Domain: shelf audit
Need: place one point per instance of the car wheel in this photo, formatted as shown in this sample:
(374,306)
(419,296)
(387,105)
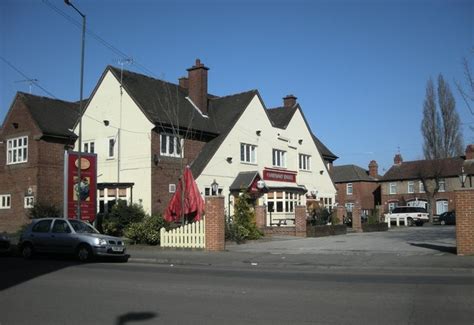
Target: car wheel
(410,222)
(27,251)
(84,253)
(443,222)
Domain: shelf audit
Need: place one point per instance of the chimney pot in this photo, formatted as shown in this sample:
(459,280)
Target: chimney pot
(470,152)
(373,169)
(397,160)
(183,82)
(289,101)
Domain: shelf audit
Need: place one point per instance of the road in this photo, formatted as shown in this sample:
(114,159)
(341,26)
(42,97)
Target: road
(59,291)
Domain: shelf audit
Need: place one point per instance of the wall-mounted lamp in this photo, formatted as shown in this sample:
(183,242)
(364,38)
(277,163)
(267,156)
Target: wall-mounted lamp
(300,141)
(15,125)
(260,184)
(215,188)
(229,159)
(156,159)
(462,177)
(106,122)
(258,132)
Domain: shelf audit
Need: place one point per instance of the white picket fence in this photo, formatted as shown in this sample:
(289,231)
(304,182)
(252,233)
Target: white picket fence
(192,235)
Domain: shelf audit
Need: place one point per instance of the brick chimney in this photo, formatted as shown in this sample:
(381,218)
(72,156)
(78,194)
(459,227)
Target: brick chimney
(373,169)
(197,85)
(289,101)
(183,82)
(470,152)
(397,160)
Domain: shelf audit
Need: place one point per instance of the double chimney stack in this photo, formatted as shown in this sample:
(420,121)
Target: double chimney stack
(196,84)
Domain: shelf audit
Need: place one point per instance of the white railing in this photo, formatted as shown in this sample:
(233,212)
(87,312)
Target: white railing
(192,235)
(388,220)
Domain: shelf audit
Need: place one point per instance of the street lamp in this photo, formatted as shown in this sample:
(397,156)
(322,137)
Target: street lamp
(462,177)
(214,188)
(81,104)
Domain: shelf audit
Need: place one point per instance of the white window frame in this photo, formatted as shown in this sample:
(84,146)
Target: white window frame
(248,153)
(442,185)
(349,189)
(421,187)
(411,187)
(208,191)
(17,153)
(349,206)
(304,162)
(279,158)
(5,201)
(88,146)
(392,205)
(442,206)
(111,145)
(171,150)
(29,201)
(392,188)
(171,188)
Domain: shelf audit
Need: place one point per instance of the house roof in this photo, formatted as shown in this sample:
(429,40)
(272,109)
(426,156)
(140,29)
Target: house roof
(446,167)
(323,150)
(53,116)
(243,180)
(351,173)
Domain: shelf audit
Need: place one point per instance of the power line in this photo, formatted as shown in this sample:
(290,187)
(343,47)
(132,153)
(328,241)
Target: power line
(102,41)
(33,81)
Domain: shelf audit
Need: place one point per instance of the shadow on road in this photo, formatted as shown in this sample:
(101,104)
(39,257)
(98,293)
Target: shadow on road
(135,317)
(443,249)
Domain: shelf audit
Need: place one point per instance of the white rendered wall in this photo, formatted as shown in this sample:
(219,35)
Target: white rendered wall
(135,139)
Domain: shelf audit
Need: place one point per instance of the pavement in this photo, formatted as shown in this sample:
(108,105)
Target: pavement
(397,250)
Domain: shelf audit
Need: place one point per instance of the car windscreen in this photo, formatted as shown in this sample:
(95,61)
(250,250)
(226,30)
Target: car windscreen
(82,227)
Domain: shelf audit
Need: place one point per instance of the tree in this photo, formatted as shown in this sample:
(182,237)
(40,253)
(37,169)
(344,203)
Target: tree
(441,124)
(467,92)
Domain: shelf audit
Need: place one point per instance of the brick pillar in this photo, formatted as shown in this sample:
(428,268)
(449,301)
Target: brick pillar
(465,221)
(260,216)
(340,212)
(300,221)
(356,221)
(215,223)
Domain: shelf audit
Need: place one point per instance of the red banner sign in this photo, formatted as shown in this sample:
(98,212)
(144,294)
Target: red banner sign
(279,175)
(84,190)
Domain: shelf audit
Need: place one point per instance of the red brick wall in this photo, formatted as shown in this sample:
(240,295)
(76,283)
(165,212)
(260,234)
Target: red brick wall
(168,170)
(362,192)
(356,220)
(465,222)
(260,216)
(215,223)
(300,221)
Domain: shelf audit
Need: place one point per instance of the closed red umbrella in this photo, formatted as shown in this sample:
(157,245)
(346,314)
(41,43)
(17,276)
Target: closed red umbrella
(192,206)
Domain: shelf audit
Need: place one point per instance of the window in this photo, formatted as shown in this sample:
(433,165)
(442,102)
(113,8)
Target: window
(349,189)
(442,185)
(304,162)
(441,206)
(393,188)
(61,227)
(171,145)
(248,153)
(349,207)
(29,202)
(208,191)
(392,205)
(42,226)
(279,158)
(5,201)
(17,150)
(171,188)
(411,187)
(421,187)
(111,151)
(284,202)
(88,146)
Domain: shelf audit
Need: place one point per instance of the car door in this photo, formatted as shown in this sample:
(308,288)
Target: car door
(39,235)
(61,238)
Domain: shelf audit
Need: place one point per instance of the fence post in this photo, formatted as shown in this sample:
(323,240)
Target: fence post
(356,221)
(215,223)
(260,216)
(465,221)
(300,221)
(340,212)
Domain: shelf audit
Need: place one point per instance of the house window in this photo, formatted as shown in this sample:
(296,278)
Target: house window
(88,146)
(441,206)
(171,145)
(349,189)
(349,207)
(248,153)
(279,158)
(304,162)
(393,188)
(442,185)
(411,187)
(208,191)
(17,150)
(282,202)
(421,187)
(5,201)
(111,151)
(29,202)
(171,188)
(392,205)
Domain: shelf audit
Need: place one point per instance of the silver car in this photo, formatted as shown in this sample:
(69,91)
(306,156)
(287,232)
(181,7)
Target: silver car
(68,236)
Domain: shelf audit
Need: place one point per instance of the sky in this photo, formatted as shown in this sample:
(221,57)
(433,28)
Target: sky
(358,68)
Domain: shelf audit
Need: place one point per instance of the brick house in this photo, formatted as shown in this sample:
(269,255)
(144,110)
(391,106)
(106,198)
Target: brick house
(427,183)
(33,138)
(144,131)
(357,185)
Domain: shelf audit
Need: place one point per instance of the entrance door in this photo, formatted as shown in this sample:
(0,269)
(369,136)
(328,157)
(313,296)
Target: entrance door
(441,206)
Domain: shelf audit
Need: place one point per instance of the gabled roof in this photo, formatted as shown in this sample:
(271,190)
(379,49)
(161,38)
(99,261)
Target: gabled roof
(243,180)
(54,117)
(447,167)
(281,116)
(351,173)
(323,150)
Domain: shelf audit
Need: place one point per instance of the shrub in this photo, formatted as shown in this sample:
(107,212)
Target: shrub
(44,210)
(320,216)
(243,225)
(121,216)
(146,231)
(373,218)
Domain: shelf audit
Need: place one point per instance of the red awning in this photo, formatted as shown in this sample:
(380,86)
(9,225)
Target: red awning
(193,203)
